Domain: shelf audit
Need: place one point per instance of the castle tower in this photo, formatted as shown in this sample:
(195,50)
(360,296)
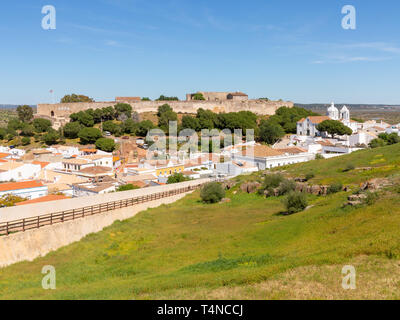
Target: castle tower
(333,112)
(345,114)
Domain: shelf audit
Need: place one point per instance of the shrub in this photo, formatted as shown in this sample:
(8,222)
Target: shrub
(41,125)
(286,186)
(309,176)
(335,187)
(212,192)
(89,135)
(25,141)
(127,187)
(51,138)
(319,156)
(349,167)
(176,178)
(371,198)
(105,144)
(71,130)
(295,202)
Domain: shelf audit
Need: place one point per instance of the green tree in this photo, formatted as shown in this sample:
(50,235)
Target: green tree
(295,202)
(28,130)
(15,124)
(165,114)
(83,117)
(164,98)
(207,119)
(146,99)
(143,127)
(41,125)
(51,138)
(130,127)
(105,144)
(198,96)
(112,127)
(334,127)
(123,108)
(271,132)
(25,113)
(3,133)
(71,130)
(25,141)
(189,122)
(89,135)
(212,192)
(69,98)
(177,178)
(376,143)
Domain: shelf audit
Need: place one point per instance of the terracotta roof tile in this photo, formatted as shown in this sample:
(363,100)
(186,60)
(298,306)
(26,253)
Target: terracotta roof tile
(20,185)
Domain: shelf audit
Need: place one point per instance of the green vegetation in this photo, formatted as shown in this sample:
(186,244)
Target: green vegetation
(334,127)
(164,98)
(198,96)
(385,139)
(25,113)
(105,144)
(176,178)
(212,192)
(243,249)
(295,202)
(271,132)
(127,187)
(89,135)
(69,98)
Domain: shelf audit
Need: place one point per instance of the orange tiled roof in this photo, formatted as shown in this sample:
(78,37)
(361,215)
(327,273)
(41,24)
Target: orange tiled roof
(262,151)
(20,185)
(292,150)
(42,163)
(3,155)
(50,197)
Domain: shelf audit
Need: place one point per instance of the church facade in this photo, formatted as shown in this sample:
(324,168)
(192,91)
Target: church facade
(308,126)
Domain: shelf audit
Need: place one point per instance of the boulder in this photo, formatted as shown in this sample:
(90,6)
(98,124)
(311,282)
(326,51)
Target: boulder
(229,184)
(250,187)
(225,200)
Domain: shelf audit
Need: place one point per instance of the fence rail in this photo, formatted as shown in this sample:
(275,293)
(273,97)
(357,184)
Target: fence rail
(22,225)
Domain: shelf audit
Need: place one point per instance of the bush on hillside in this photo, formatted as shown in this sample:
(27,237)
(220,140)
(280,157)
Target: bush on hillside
(349,167)
(319,157)
(89,135)
(25,141)
(295,202)
(176,178)
(286,186)
(309,176)
(105,144)
(335,188)
(212,192)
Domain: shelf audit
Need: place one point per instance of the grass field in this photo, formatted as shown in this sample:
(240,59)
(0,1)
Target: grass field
(245,249)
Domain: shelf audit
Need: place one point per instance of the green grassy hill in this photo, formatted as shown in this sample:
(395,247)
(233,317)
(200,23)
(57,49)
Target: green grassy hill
(243,249)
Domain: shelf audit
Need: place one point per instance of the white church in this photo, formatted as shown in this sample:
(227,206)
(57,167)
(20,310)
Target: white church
(308,126)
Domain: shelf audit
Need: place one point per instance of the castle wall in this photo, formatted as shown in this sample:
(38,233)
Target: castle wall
(260,107)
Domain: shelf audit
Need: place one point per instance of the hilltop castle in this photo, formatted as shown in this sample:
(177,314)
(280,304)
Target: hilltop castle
(215,101)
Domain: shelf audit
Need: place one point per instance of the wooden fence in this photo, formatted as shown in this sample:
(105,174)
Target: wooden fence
(73,214)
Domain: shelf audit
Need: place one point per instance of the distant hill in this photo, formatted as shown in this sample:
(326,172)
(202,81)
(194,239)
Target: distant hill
(317,106)
(13,106)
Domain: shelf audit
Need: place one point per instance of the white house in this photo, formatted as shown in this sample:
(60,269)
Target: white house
(17,171)
(265,157)
(27,189)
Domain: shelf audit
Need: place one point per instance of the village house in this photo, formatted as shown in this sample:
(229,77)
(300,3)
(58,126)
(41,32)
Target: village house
(27,189)
(18,171)
(264,157)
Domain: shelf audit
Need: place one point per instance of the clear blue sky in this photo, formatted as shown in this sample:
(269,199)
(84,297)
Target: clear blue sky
(287,49)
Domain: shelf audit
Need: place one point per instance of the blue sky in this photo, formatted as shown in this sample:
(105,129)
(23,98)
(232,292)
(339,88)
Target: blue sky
(287,49)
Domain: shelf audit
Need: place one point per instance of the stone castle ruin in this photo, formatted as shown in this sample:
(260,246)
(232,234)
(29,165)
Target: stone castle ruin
(218,102)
